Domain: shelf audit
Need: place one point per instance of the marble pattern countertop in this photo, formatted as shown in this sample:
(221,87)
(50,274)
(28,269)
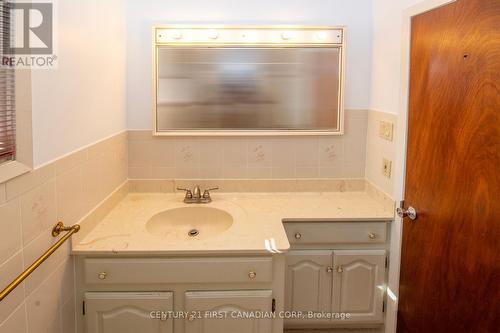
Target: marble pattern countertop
(257,222)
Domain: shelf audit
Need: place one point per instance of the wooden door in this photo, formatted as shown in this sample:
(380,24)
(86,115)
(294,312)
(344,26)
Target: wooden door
(450,266)
(127,312)
(236,305)
(308,285)
(359,284)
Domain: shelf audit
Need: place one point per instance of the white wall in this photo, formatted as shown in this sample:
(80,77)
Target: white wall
(386,55)
(143,15)
(386,96)
(82,101)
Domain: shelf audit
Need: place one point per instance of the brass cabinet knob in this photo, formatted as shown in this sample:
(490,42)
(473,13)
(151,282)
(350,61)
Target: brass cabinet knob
(102,275)
(298,235)
(372,235)
(252,275)
(340,269)
(329,269)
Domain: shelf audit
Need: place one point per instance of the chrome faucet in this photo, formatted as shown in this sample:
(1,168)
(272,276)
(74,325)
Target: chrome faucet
(195,196)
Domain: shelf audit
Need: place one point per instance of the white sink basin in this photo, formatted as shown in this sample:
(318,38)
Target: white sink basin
(189,223)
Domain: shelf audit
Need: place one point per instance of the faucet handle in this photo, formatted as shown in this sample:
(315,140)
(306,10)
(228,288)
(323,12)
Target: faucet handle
(189,194)
(206,193)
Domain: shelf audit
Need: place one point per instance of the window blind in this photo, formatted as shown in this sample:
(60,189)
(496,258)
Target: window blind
(7,92)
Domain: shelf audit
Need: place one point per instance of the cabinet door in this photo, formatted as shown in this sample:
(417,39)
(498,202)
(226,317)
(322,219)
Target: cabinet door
(308,285)
(359,284)
(233,303)
(127,312)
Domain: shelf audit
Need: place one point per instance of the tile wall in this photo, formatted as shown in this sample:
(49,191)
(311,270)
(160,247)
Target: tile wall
(71,187)
(251,157)
(66,190)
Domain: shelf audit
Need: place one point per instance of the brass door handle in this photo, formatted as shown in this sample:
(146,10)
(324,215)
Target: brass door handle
(340,269)
(329,269)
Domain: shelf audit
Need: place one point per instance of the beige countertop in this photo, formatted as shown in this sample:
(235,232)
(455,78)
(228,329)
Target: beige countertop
(257,226)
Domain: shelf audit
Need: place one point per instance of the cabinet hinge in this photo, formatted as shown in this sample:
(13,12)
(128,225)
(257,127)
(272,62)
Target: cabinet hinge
(273,306)
(386,262)
(383,306)
(83,308)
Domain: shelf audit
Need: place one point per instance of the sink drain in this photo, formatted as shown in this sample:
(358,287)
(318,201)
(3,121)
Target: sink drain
(193,233)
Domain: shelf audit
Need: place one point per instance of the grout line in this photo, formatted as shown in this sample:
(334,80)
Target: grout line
(12,257)
(14,311)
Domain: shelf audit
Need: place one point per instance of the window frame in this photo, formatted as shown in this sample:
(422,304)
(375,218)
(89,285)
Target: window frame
(23,161)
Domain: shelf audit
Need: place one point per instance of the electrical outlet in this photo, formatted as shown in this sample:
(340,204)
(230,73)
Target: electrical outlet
(386,168)
(386,130)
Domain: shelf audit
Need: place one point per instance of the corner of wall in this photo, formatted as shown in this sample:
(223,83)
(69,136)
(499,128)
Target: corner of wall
(378,149)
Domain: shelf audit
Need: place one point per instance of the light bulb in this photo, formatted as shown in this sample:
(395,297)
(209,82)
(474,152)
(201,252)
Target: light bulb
(213,34)
(286,35)
(321,35)
(176,34)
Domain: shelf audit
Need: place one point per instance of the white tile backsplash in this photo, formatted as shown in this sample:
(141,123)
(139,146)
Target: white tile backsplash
(251,157)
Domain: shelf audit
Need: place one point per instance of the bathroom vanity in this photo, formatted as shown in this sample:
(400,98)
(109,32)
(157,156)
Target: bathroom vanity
(283,260)
(336,267)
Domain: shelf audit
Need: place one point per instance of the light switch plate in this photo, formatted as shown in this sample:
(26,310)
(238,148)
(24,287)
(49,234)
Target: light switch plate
(386,168)
(386,130)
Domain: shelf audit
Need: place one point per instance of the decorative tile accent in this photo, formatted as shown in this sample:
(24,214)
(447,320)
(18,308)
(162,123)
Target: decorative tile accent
(38,210)
(251,157)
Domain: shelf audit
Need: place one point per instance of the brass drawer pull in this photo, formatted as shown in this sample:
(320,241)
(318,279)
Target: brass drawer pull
(298,235)
(340,269)
(372,235)
(252,275)
(102,275)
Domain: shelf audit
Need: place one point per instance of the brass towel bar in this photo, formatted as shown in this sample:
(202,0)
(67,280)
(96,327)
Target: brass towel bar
(58,228)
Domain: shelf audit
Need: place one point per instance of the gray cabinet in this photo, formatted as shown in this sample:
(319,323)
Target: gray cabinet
(308,285)
(204,305)
(334,270)
(338,281)
(120,294)
(359,287)
(127,312)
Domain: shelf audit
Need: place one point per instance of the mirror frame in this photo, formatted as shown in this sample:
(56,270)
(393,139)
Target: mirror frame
(157,44)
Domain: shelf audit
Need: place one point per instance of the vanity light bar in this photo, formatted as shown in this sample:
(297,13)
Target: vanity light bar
(249,35)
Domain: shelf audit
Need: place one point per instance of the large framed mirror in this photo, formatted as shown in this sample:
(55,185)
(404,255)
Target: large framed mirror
(210,81)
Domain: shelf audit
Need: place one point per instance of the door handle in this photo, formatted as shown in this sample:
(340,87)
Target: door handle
(410,213)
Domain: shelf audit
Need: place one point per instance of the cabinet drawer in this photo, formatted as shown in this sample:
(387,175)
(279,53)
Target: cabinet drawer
(192,270)
(336,232)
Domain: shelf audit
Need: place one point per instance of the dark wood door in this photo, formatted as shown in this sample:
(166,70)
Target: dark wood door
(450,269)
